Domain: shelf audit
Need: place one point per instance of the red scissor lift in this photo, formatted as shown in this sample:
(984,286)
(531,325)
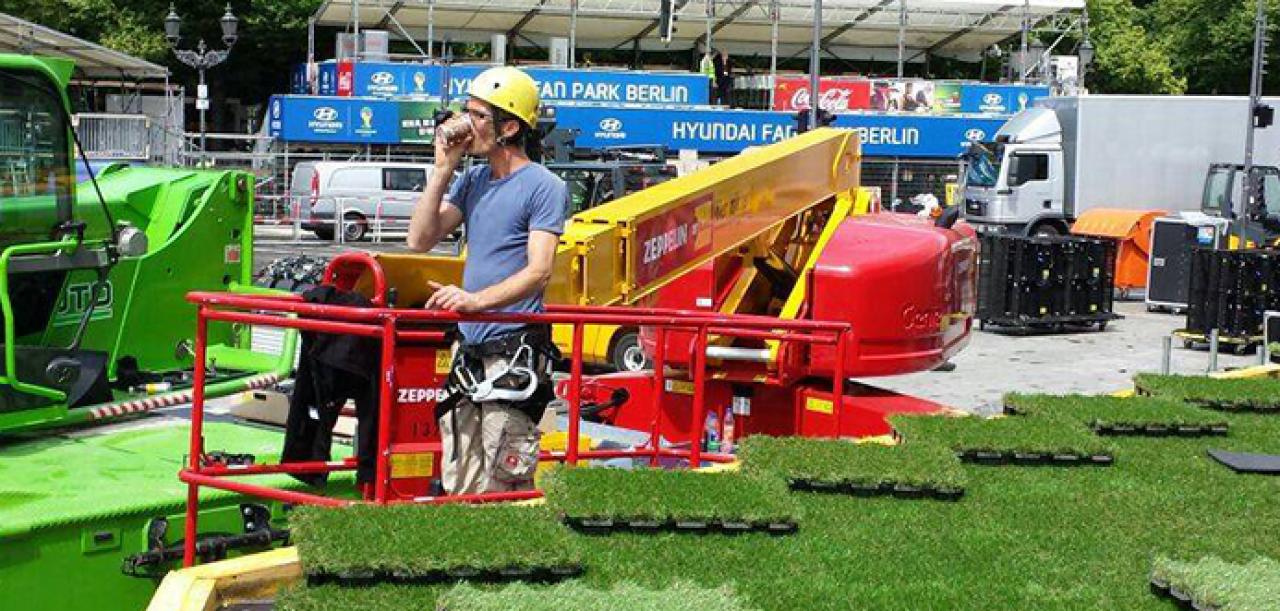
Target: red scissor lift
(414,355)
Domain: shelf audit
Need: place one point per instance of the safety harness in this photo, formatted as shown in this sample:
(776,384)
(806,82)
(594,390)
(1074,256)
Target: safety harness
(524,383)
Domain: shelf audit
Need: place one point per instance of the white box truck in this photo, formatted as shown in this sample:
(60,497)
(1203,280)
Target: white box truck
(1062,156)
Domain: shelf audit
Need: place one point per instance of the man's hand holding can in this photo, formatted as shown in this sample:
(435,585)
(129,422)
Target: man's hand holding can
(451,141)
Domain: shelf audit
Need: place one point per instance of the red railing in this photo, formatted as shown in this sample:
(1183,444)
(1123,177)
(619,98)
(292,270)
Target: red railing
(384,324)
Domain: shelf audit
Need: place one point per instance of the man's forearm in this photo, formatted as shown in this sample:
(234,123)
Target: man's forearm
(424,224)
(522,284)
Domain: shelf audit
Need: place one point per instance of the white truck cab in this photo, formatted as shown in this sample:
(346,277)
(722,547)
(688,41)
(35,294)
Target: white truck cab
(1016,181)
(1063,156)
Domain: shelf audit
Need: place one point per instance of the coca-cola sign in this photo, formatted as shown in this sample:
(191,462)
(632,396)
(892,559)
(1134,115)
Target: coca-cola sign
(837,95)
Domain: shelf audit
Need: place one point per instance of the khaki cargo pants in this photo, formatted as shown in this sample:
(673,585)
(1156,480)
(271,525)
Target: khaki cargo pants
(497,445)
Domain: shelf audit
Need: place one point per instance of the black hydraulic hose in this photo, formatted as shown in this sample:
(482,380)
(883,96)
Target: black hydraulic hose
(102,201)
(88,310)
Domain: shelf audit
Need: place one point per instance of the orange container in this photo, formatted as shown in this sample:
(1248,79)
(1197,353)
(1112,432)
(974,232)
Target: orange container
(1132,228)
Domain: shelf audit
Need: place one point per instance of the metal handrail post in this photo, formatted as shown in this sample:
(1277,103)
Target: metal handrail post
(659,387)
(575,395)
(388,382)
(196,449)
(699,397)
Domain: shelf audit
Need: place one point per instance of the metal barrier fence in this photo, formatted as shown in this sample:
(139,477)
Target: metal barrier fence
(114,136)
(902,179)
(347,219)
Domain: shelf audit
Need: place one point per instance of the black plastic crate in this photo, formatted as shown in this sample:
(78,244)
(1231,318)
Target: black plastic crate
(1230,290)
(1042,282)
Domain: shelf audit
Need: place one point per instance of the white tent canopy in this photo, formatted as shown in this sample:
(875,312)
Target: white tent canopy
(852,29)
(92,60)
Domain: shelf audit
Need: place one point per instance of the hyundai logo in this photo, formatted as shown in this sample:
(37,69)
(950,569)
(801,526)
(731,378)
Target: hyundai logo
(992,99)
(975,135)
(325,113)
(610,125)
(382,78)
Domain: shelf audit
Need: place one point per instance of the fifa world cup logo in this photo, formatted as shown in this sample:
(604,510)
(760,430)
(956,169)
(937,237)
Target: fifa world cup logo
(419,81)
(366,117)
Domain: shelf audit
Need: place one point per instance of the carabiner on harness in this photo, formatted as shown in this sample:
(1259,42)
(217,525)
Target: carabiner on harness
(516,381)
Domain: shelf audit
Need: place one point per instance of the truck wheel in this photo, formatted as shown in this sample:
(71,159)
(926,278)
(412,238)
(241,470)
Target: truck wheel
(354,227)
(627,354)
(1046,230)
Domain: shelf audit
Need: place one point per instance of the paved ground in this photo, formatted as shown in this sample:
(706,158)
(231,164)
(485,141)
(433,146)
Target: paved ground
(1089,362)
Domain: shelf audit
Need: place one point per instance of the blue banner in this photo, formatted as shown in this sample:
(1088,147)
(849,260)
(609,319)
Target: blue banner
(381,79)
(708,130)
(917,136)
(730,131)
(999,99)
(339,120)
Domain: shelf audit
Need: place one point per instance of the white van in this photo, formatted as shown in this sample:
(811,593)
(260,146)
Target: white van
(365,190)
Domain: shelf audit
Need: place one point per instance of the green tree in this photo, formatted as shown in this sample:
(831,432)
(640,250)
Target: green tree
(1210,42)
(272,37)
(1127,58)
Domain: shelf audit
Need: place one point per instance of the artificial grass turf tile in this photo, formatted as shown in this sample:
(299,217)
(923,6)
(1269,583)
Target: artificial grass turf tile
(863,469)
(1214,583)
(572,596)
(1001,440)
(1063,539)
(430,543)
(379,597)
(655,499)
(1230,394)
(567,596)
(1120,415)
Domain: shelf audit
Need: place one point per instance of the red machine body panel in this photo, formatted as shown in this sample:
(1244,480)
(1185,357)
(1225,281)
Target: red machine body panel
(807,410)
(420,372)
(908,288)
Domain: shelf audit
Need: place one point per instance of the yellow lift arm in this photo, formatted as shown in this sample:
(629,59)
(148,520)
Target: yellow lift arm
(624,250)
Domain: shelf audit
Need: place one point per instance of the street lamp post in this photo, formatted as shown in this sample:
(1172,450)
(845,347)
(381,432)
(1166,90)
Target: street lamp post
(202,58)
(1085,53)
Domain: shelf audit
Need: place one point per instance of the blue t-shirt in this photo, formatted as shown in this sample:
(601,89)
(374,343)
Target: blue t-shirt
(499,214)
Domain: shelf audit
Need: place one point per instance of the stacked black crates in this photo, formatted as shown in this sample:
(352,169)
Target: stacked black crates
(1046,282)
(1229,290)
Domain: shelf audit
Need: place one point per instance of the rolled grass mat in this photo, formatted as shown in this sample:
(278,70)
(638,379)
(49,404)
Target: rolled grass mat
(423,543)
(1018,441)
(1231,394)
(656,499)
(1212,583)
(1120,415)
(572,596)
(869,469)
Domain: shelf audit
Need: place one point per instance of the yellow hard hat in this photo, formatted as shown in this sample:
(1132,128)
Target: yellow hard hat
(509,89)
